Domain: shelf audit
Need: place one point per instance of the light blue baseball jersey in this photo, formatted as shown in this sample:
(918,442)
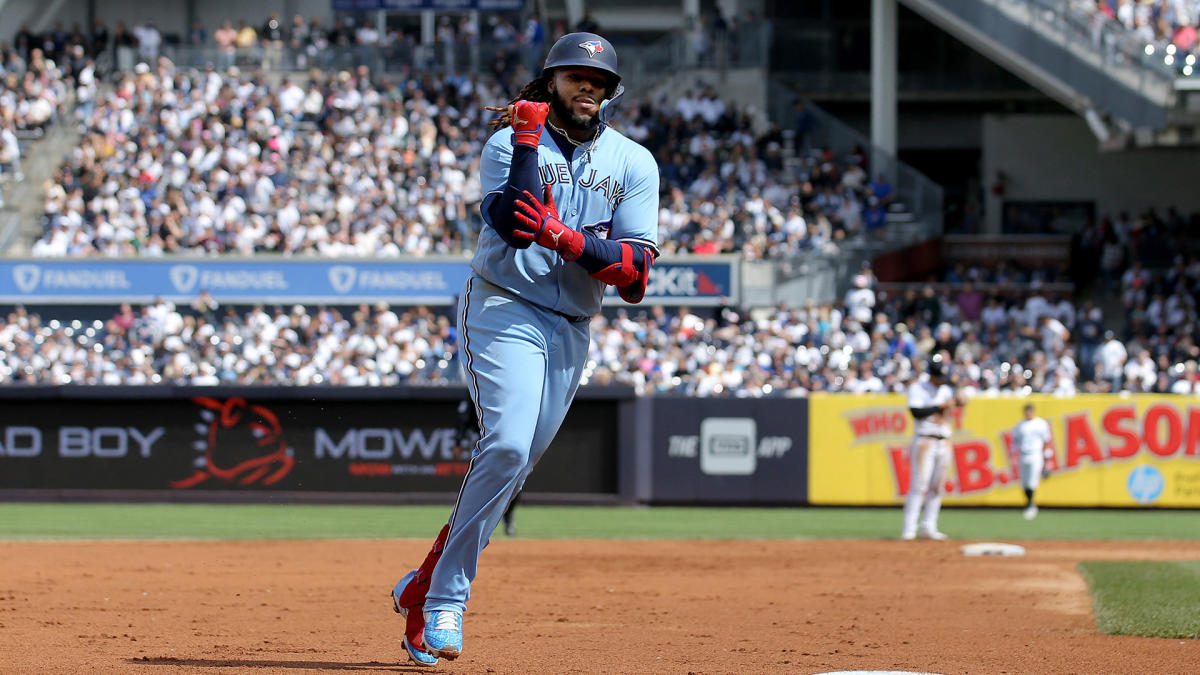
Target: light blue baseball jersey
(609,188)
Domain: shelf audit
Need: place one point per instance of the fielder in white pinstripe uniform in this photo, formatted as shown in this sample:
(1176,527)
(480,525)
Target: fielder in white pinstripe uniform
(930,400)
(571,207)
(1031,440)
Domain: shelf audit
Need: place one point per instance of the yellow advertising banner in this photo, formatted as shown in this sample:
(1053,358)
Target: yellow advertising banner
(1109,450)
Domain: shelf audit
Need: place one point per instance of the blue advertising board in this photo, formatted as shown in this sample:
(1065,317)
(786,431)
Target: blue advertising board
(240,280)
(726,451)
(424,281)
(698,281)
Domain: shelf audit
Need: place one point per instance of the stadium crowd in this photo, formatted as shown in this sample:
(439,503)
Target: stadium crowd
(34,94)
(203,161)
(872,340)
(223,162)
(34,91)
(1166,27)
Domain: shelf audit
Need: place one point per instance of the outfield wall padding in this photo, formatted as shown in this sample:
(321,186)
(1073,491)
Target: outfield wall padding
(398,445)
(286,441)
(726,451)
(1108,451)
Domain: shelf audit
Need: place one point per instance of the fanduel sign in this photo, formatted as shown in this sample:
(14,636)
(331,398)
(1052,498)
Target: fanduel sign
(425,281)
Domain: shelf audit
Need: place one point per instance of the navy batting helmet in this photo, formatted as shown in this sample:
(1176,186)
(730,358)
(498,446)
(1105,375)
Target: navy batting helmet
(936,367)
(584,49)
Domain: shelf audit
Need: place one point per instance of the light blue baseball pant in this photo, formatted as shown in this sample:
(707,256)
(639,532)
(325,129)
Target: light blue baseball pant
(522,364)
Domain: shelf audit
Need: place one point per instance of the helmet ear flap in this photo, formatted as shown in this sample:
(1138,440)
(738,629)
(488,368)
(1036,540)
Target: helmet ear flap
(608,106)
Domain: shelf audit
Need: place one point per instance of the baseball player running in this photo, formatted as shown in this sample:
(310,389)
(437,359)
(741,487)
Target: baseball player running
(930,400)
(1031,442)
(572,206)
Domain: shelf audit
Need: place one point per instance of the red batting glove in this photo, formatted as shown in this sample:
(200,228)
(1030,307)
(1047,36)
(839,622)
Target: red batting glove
(528,120)
(539,223)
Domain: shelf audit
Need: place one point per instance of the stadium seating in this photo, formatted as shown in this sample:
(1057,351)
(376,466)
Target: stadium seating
(1167,30)
(183,161)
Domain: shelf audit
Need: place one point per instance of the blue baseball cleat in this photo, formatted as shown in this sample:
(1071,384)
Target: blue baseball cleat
(443,633)
(417,655)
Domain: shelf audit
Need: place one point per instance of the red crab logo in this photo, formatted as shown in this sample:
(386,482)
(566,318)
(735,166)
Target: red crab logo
(241,444)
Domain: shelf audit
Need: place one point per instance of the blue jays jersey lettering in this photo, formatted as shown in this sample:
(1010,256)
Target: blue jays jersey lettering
(609,188)
(612,189)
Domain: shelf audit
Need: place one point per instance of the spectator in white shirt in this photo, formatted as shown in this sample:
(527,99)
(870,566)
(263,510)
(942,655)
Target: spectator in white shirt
(867,382)
(1053,333)
(1110,360)
(1141,373)
(1188,382)
(860,300)
(149,40)
(10,149)
(1036,307)
(291,97)
(1064,310)
(993,314)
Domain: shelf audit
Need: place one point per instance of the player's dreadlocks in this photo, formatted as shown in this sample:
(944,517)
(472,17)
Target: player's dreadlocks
(537,90)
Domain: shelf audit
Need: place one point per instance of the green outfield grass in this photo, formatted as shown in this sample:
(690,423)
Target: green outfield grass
(23,521)
(1154,599)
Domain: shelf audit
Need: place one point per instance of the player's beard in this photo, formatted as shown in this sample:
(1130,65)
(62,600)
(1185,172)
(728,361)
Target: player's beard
(562,110)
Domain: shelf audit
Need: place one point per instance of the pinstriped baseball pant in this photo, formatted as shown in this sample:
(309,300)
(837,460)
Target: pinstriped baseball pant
(930,460)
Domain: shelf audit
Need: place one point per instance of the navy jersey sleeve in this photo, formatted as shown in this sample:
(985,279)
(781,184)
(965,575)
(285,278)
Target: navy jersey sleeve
(512,172)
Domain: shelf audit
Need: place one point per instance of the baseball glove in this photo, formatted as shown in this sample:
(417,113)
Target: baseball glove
(1046,472)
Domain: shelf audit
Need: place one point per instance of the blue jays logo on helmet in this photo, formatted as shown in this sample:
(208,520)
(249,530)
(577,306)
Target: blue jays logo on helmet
(592,47)
(583,49)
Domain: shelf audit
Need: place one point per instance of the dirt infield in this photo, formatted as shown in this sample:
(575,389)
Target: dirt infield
(572,607)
